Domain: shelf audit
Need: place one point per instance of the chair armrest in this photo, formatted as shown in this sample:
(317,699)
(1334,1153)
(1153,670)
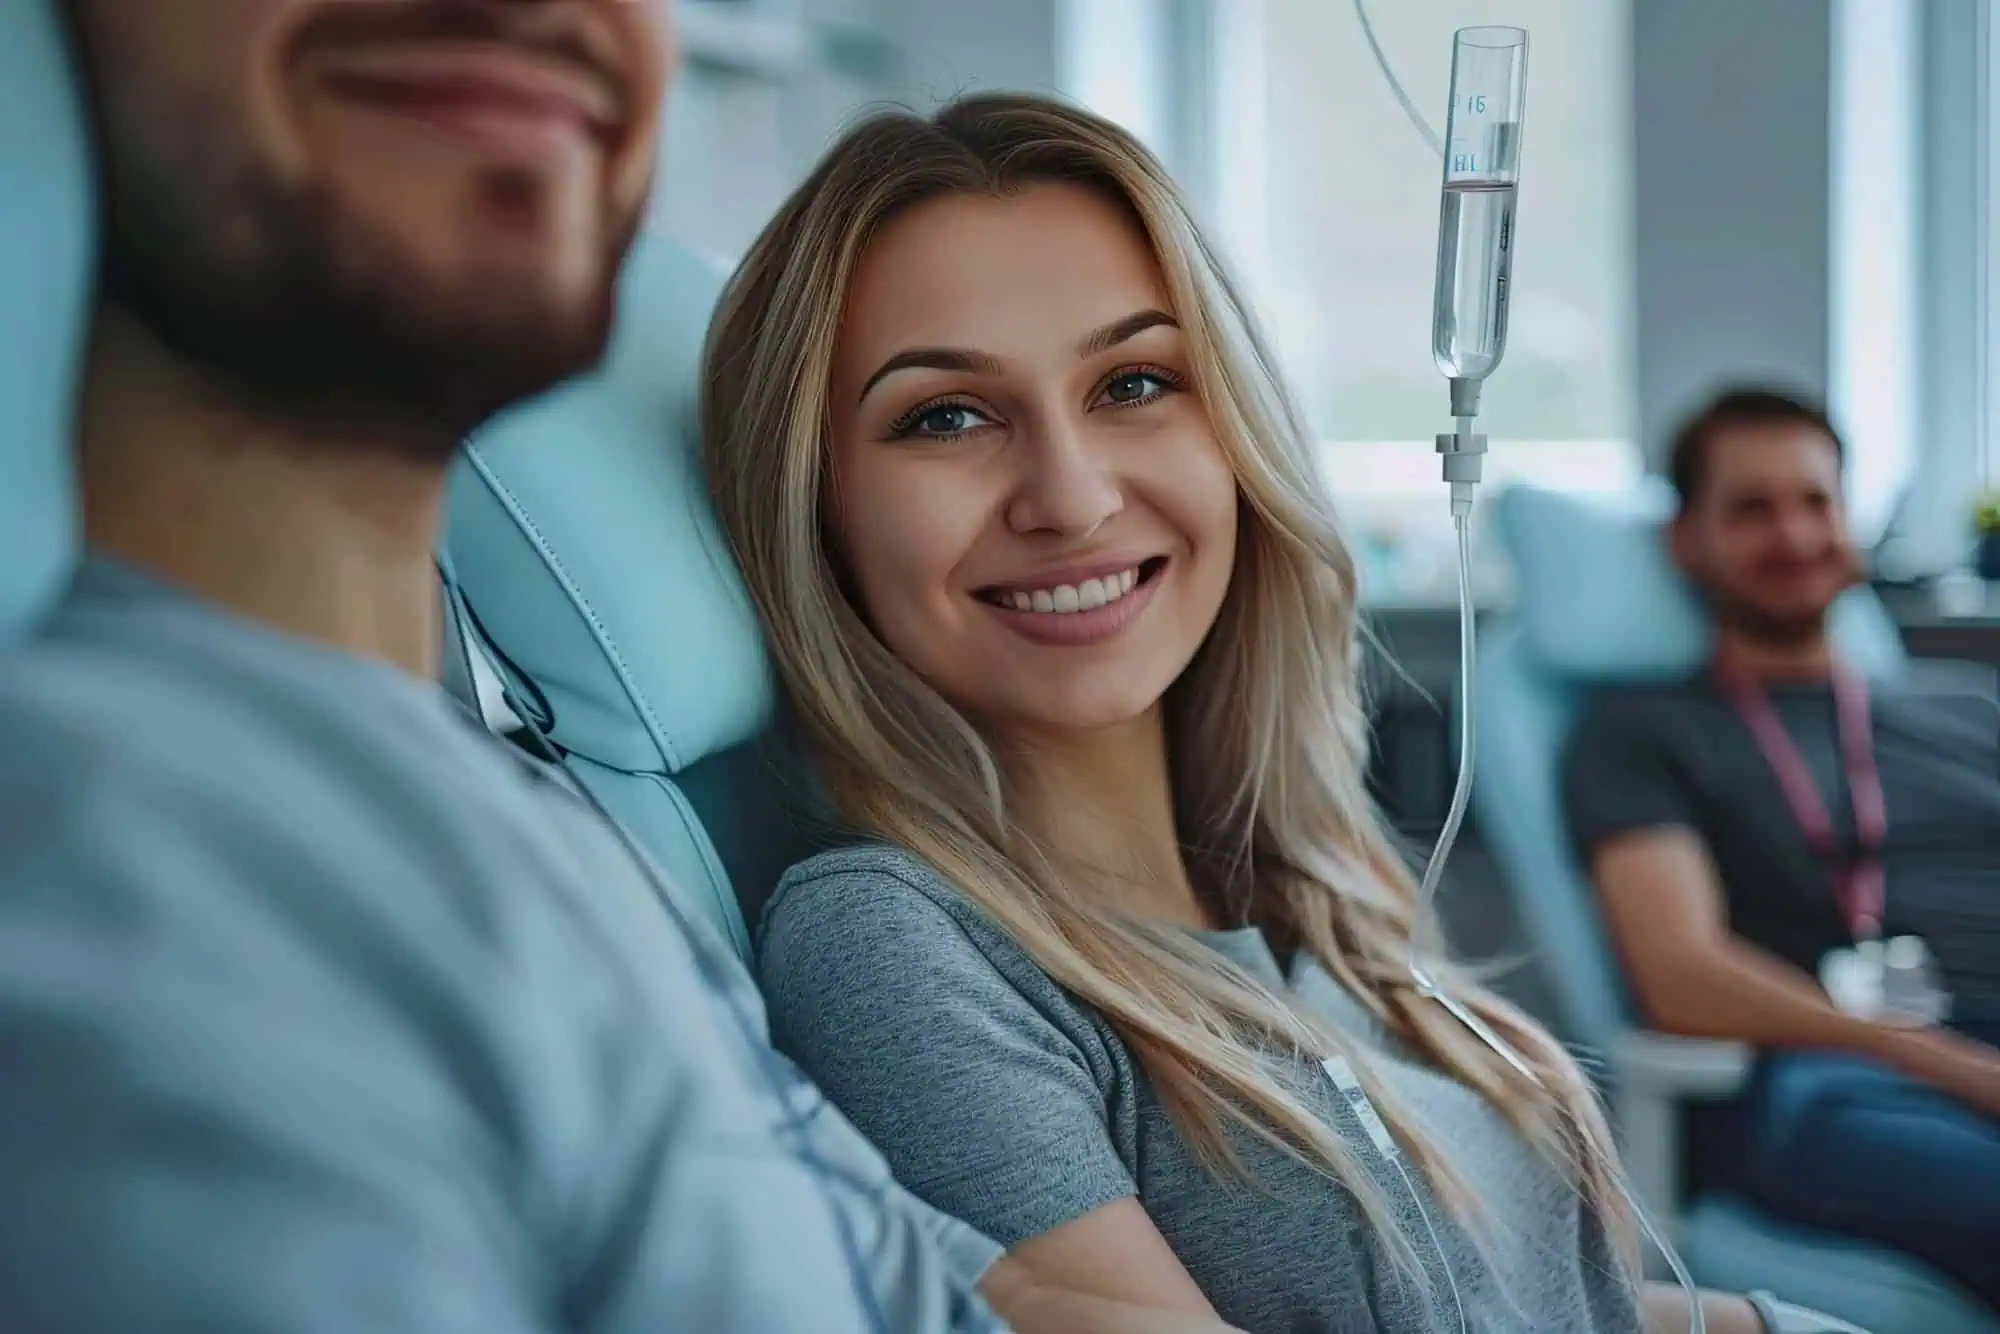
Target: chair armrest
(1952,676)
(1652,1075)
(1661,1065)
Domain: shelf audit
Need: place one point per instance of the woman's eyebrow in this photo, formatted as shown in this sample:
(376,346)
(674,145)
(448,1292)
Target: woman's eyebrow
(975,362)
(1121,330)
(933,358)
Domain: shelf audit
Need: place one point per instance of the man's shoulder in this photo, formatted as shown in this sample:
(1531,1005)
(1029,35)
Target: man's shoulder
(87,716)
(135,779)
(1642,710)
(82,723)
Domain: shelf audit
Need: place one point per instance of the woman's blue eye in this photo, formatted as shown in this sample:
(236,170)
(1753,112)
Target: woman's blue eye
(942,421)
(947,420)
(1135,387)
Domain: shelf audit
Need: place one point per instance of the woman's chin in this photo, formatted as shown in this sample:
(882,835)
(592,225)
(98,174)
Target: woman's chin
(1054,713)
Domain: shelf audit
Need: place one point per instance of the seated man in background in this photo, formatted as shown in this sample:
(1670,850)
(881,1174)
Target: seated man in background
(320,1008)
(1747,828)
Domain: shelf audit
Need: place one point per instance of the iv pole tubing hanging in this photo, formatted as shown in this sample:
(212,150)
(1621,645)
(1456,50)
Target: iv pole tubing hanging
(1475,254)
(1482,158)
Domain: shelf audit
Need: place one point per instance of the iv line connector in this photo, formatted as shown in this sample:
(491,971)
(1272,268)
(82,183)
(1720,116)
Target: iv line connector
(1464,448)
(1464,452)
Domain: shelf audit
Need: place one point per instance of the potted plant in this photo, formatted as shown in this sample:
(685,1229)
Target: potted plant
(1986,524)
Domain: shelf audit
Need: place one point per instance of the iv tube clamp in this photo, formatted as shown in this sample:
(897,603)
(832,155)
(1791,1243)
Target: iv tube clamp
(1463,451)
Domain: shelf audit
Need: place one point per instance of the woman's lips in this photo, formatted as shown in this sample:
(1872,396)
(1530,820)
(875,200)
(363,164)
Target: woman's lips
(1079,629)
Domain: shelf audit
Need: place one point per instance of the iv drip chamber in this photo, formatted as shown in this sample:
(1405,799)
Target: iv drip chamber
(1482,159)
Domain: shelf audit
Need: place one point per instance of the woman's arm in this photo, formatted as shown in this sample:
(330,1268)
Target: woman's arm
(1665,1306)
(1666,1309)
(1116,1253)
(1032,1303)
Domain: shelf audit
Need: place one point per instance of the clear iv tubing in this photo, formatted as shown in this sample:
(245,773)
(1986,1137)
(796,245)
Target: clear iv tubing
(1465,398)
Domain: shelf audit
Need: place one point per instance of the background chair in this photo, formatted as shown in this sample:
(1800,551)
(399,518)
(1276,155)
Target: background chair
(1599,603)
(47,250)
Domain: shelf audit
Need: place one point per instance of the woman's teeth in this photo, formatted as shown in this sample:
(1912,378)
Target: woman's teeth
(1065,598)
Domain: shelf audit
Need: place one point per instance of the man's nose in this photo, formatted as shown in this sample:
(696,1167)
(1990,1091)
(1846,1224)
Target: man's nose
(1802,530)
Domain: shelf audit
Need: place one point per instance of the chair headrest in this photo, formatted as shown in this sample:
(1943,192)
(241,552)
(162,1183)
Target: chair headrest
(1598,599)
(48,222)
(580,527)
(581,535)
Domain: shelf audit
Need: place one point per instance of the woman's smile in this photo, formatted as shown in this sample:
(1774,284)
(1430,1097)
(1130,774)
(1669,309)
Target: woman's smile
(1076,608)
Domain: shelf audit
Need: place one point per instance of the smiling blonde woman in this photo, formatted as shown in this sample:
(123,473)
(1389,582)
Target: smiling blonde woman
(1117,970)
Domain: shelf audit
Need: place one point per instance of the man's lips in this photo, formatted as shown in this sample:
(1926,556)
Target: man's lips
(485,94)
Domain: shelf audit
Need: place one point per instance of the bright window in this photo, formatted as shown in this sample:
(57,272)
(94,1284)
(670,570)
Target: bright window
(1326,198)
(1986,211)
(1873,203)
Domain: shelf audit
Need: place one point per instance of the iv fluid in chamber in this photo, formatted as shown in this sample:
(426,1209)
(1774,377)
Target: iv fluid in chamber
(1475,265)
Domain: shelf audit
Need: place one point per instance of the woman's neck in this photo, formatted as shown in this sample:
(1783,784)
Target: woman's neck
(1102,804)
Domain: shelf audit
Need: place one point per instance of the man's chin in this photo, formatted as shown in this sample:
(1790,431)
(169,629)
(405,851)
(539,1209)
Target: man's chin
(461,372)
(421,387)
(339,331)
(1778,627)
(412,370)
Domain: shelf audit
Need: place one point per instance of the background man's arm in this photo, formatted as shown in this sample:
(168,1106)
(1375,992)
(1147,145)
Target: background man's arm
(1693,976)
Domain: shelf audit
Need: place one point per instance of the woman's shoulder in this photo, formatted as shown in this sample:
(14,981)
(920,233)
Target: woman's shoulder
(876,901)
(873,938)
(870,878)
(868,859)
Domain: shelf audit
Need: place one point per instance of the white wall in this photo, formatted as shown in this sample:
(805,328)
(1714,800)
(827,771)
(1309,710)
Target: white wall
(955,46)
(1874,341)
(737,140)
(1954,275)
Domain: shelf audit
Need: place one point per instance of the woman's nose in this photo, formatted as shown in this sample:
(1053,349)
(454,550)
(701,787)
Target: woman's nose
(1067,485)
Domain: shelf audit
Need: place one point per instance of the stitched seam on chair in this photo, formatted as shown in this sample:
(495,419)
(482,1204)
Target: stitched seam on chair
(711,862)
(512,504)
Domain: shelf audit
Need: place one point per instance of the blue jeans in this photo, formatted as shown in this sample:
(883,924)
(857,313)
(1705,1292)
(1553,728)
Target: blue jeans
(1843,1144)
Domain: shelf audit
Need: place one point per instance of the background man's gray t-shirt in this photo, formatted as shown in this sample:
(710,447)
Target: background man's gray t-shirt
(323,1010)
(1678,755)
(1005,1101)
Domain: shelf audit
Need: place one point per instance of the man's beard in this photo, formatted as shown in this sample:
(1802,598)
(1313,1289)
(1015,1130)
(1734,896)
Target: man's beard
(1761,625)
(309,317)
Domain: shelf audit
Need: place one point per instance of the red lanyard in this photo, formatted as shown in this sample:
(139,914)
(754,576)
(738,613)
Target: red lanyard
(1858,880)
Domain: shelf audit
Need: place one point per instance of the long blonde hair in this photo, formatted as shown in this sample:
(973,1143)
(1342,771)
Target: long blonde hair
(1266,727)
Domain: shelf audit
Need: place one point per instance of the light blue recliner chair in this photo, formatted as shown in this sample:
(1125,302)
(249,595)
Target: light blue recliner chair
(580,535)
(1599,603)
(47,250)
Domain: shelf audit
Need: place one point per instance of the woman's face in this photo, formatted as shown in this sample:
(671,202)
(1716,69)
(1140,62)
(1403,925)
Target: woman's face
(1030,500)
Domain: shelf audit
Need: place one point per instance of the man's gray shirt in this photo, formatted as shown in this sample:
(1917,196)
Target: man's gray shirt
(322,1010)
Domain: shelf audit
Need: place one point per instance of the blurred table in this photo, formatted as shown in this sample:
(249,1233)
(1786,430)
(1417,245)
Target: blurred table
(1928,633)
